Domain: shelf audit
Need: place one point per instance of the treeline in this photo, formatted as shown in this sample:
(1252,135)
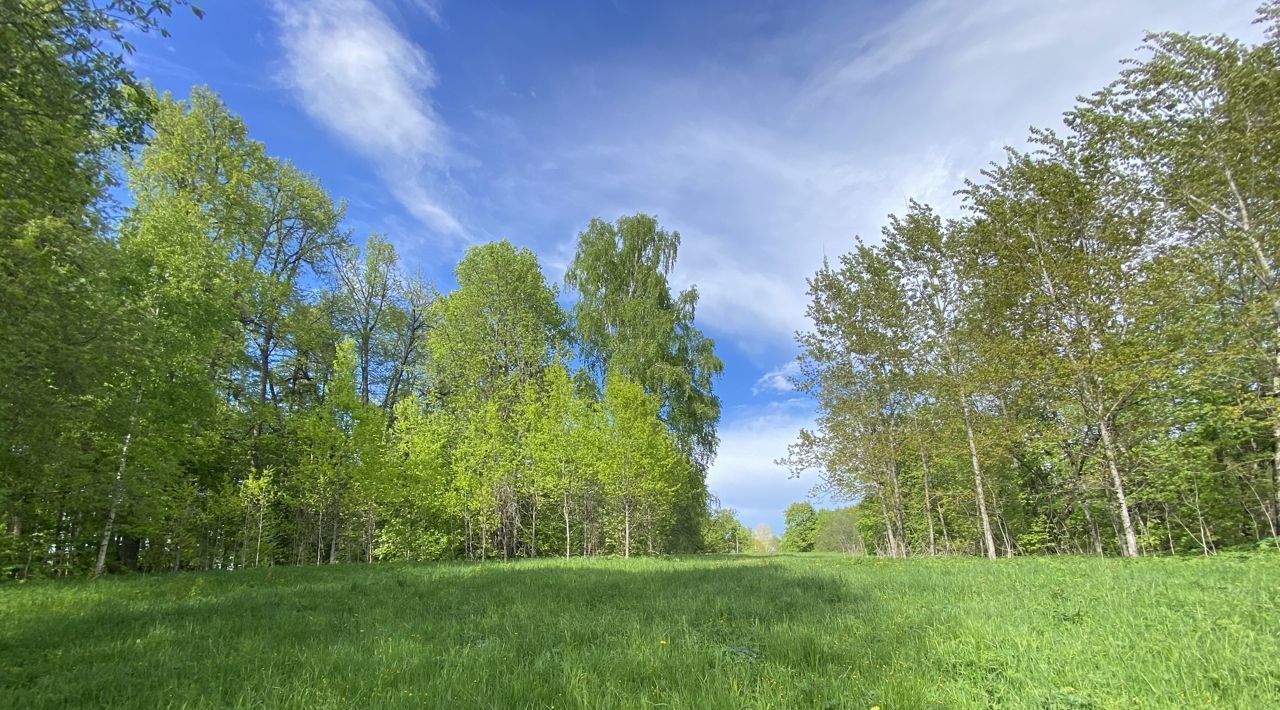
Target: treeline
(1087,359)
(810,529)
(216,376)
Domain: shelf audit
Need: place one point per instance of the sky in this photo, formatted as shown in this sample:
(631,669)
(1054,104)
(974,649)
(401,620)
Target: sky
(770,134)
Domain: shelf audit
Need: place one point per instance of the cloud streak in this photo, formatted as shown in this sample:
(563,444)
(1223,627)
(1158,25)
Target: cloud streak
(355,73)
(768,166)
(777,379)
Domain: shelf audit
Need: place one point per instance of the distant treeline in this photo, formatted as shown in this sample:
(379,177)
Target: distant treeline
(217,377)
(1087,358)
(810,529)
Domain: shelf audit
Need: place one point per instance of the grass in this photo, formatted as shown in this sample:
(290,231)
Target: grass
(741,632)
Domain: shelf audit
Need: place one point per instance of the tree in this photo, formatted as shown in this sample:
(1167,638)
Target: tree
(174,306)
(801,527)
(642,470)
(930,261)
(564,444)
(68,105)
(367,287)
(724,533)
(627,320)
(763,539)
(855,363)
(498,330)
(837,531)
(495,336)
(1074,255)
(1197,119)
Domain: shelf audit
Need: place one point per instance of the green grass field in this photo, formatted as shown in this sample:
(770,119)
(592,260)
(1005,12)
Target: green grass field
(743,632)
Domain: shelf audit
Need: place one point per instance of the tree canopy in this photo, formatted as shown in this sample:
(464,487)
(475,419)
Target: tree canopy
(1087,356)
(219,375)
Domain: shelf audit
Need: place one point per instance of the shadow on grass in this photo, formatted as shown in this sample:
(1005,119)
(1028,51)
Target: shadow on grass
(716,633)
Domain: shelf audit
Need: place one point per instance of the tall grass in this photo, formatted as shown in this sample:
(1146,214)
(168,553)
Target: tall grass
(731,632)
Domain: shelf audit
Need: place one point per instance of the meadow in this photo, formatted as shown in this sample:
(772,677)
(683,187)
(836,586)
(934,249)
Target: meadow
(809,631)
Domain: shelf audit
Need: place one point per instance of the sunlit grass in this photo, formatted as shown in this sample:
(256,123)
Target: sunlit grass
(736,632)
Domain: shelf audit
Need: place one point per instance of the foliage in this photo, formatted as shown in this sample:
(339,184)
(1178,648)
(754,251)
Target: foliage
(627,321)
(222,379)
(724,533)
(1091,345)
(801,528)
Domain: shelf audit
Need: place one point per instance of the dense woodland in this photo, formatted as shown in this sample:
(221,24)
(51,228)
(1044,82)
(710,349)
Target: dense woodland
(1086,358)
(203,368)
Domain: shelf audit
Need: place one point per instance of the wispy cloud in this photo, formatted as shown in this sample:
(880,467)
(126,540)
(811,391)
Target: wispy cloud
(354,72)
(777,379)
(767,166)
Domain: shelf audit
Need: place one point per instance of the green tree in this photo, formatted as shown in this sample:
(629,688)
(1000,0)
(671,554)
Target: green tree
(68,105)
(801,527)
(855,362)
(367,284)
(724,533)
(837,531)
(564,445)
(1197,119)
(627,320)
(497,331)
(642,470)
(1073,258)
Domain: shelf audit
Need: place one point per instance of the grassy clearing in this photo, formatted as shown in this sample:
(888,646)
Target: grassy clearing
(745,632)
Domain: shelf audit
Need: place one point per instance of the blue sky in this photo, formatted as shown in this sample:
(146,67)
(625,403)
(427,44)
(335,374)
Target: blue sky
(768,133)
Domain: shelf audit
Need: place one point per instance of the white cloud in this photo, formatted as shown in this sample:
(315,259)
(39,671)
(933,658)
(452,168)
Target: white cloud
(744,474)
(777,379)
(768,164)
(357,74)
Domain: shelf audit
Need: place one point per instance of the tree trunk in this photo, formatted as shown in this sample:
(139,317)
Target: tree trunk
(117,491)
(533,528)
(928,506)
(364,367)
(987,537)
(898,514)
(888,527)
(1126,521)
(895,504)
(264,372)
(566,525)
(333,541)
(1094,536)
(942,522)
(1004,533)
(626,529)
(1275,455)
(257,553)
(588,526)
